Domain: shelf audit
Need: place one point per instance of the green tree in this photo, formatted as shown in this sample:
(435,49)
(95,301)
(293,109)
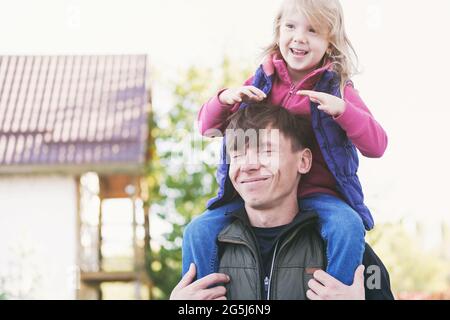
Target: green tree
(179,188)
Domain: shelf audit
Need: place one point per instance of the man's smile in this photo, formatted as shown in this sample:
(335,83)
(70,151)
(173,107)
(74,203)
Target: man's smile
(254,180)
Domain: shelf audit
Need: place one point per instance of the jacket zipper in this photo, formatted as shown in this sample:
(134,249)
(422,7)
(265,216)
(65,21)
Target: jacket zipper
(291,92)
(268,283)
(291,89)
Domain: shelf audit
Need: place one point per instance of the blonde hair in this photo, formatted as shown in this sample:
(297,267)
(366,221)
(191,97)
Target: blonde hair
(327,17)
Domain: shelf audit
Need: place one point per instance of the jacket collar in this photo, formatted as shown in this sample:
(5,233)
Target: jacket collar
(276,63)
(240,216)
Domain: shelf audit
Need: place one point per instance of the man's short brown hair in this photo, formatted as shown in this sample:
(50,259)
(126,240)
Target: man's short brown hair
(262,115)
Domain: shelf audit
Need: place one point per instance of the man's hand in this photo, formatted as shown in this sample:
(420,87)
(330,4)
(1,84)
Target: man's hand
(185,290)
(328,103)
(242,94)
(325,287)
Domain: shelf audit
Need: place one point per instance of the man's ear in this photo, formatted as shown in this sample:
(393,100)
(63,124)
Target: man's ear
(305,161)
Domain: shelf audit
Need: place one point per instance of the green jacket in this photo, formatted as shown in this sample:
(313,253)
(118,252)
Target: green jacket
(299,252)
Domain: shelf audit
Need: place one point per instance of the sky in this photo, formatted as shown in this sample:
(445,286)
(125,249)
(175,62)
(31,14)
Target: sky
(402,46)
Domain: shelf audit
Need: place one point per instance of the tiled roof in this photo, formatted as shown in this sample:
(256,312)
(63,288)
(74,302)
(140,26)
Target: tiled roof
(73,110)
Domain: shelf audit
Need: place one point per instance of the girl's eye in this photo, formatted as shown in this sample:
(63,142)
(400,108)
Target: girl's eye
(289,26)
(312,30)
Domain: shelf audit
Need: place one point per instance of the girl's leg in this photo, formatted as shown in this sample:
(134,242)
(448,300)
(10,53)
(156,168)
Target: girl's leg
(343,231)
(200,240)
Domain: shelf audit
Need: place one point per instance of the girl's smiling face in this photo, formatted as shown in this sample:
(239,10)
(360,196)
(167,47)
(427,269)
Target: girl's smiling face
(301,46)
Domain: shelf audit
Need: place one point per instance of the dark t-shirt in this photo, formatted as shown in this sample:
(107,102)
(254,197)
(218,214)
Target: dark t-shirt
(266,238)
(377,282)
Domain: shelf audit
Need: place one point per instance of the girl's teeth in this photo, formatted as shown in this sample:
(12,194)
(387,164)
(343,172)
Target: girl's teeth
(298,52)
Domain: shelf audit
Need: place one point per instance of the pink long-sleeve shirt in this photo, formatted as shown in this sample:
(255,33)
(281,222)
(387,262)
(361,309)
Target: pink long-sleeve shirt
(357,121)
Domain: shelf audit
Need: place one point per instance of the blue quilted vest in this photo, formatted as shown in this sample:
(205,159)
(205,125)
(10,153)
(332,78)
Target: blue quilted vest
(338,151)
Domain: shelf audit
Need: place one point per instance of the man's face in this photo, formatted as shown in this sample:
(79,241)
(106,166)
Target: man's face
(267,174)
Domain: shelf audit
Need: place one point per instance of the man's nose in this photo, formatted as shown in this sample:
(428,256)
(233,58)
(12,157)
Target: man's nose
(251,161)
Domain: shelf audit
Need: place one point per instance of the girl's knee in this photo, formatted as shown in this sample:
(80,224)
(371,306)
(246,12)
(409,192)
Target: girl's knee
(346,223)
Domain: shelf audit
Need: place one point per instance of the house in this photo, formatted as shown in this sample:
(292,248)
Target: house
(73,148)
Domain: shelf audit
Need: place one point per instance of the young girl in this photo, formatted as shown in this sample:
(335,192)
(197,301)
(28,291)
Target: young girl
(307,70)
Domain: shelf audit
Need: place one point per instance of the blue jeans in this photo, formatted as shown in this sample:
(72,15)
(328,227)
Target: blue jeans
(341,228)
(343,231)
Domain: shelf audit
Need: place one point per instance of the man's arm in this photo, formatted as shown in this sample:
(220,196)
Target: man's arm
(377,281)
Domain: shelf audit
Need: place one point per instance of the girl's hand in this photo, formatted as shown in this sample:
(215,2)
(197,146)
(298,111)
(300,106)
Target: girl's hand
(241,94)
(328,103)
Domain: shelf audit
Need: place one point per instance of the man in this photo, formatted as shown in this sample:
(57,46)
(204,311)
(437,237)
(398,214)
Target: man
(272,249)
